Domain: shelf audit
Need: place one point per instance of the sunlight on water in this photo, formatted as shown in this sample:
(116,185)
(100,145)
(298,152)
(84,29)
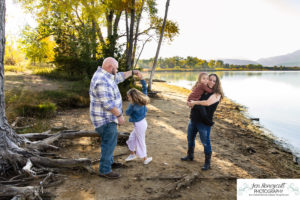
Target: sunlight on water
(273,97)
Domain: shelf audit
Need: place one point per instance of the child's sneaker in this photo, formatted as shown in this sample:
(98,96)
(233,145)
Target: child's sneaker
(147,161)
(130,157)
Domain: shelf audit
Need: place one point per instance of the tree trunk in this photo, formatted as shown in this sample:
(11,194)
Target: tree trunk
(113,38)
(2,49)
(130,42)
(138,58)
(109,19)
(127,35)
(8,138)
(116,23)
(94,40)
(137,32)
(99,33)
(158,47)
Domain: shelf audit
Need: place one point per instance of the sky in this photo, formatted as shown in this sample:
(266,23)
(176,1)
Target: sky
(216,29)
(236,29)
(16,18)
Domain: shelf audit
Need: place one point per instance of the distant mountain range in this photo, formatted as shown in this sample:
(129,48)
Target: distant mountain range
(288,60)
(239,62)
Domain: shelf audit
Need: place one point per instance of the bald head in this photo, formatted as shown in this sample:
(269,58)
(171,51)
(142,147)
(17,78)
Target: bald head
(110,65)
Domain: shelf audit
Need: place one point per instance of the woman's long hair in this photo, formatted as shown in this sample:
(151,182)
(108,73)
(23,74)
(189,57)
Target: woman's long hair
(217,87)
(138,97)
(199,79)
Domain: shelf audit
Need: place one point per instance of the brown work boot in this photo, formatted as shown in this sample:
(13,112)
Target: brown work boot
(111,175)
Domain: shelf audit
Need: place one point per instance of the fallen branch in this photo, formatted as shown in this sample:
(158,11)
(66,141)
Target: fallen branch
(16,121)
(66,163)
(71,134)
(164,178)
(173,187)
(23,127)
(29,192)
(37,136)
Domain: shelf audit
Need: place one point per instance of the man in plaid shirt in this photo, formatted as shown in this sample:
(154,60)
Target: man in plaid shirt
(106,110)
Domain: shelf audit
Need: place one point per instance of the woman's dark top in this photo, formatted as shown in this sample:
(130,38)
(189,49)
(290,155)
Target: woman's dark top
(204,114)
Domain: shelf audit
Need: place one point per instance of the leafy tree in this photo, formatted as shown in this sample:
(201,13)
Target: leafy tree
(191,61)
(219,64)
(211,63)
(37,48)
(12,55)
(78,26)
(202,64)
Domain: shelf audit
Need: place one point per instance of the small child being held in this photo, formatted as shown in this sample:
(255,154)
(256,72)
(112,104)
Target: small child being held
(200,87)
(137,111)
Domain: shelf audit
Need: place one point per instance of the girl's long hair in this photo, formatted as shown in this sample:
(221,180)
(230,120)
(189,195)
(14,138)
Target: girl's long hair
(138,97)
(199,79)
(217,87)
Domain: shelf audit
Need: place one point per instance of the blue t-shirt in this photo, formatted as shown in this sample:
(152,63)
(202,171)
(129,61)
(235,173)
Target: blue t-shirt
(135,111)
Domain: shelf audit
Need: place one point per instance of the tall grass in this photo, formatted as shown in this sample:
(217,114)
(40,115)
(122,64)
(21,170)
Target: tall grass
(54,73)
(14,68)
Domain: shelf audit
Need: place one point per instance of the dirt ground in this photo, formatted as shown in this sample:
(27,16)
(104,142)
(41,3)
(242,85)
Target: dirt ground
(240,150)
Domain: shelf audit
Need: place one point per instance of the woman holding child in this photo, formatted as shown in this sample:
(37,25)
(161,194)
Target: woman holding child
(203,101)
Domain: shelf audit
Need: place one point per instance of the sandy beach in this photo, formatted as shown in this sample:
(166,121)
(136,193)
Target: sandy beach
(240,150)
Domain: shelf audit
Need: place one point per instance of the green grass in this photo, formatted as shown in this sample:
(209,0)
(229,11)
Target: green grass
(43,110)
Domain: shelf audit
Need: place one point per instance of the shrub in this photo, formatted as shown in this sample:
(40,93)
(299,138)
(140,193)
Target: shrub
(44,110)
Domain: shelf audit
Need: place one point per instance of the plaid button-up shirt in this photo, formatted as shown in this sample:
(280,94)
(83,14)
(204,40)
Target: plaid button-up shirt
(104,95)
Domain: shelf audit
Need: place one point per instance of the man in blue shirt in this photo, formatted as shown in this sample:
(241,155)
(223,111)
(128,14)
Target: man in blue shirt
(106,110)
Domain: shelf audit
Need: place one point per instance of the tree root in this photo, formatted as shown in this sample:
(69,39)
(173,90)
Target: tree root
(27,168)
(25,157)
(28,192)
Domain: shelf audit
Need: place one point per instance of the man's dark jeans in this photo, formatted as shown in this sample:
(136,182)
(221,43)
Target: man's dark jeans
(109,136)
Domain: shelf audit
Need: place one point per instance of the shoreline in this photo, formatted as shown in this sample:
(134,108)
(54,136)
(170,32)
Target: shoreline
(268,133)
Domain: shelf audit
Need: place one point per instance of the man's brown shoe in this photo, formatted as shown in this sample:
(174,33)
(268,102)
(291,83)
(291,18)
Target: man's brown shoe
(111,175)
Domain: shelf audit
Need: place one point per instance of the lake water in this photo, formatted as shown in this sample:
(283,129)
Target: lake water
(273,97)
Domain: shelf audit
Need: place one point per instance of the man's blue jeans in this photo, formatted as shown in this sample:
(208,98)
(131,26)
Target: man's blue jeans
(109,136)
(204,132)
